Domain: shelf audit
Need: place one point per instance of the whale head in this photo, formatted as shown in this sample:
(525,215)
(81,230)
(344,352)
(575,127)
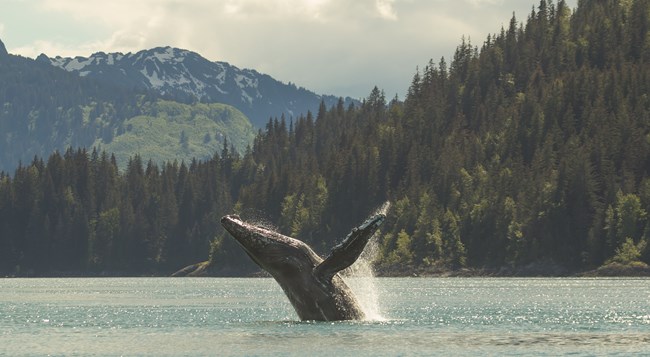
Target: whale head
(276,253)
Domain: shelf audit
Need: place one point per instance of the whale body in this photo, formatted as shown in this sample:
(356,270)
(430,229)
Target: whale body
(311,283)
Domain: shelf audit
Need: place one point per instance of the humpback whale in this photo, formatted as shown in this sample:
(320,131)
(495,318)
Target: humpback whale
(311,283)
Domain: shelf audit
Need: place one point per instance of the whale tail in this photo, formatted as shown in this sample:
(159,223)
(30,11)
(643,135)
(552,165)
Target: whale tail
(347,252)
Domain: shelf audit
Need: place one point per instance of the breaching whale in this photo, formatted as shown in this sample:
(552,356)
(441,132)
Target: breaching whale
(312,284)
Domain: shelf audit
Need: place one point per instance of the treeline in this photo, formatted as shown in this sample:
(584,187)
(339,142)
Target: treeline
(533,148)
(77,213)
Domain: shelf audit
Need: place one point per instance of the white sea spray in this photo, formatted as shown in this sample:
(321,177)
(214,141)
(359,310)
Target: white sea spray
(361,276)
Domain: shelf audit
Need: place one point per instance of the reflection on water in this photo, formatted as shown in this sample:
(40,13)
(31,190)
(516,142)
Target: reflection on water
(196,316)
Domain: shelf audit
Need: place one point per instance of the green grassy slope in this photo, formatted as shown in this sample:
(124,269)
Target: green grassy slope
(173,131)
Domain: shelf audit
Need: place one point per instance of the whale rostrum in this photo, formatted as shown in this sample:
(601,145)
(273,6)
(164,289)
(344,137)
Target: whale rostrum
(312,284)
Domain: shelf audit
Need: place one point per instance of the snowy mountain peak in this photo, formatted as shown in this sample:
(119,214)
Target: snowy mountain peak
(182,73)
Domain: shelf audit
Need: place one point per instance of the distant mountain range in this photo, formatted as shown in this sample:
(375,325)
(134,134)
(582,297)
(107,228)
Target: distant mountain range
(164,103)
(184,75)
(44,109)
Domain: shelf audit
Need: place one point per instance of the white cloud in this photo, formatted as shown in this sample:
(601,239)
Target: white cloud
(385,8)
(479,3)
(330,46)
(53,48)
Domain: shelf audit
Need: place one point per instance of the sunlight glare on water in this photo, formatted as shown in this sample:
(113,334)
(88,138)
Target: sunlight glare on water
(251,316)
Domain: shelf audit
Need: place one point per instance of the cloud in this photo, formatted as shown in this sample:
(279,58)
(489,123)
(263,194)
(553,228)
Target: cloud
(54,48)
(303,41)
(330,46)
(385,8)
(480,3)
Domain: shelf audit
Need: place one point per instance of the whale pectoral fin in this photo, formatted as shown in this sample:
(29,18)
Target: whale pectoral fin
(347,252)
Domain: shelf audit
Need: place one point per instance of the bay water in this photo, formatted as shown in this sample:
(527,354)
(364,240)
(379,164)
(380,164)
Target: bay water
(252,317)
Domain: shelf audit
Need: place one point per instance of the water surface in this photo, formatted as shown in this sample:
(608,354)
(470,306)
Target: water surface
(412,316)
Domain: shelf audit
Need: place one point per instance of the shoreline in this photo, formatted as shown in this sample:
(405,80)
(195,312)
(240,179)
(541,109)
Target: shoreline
(538,270)
(614,270)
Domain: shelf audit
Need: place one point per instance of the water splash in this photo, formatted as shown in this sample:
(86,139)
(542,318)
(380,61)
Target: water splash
(262,222)
(361,275)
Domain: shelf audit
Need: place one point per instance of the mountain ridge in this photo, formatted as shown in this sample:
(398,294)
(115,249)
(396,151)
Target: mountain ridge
(188,76)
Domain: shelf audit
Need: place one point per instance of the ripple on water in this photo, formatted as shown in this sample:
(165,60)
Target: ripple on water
(171,317)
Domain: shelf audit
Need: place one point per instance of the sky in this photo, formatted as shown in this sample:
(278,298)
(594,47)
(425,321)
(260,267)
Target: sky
(339,47)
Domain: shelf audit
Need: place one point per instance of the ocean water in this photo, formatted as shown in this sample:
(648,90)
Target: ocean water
(252,317)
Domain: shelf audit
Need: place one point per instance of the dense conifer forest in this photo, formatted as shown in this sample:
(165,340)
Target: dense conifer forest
(532,147)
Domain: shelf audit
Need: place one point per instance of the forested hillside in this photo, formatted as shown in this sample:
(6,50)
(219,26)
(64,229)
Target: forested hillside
(532,148)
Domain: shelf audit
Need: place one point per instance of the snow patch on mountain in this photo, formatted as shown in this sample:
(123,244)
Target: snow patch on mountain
(152,78)
(166,55)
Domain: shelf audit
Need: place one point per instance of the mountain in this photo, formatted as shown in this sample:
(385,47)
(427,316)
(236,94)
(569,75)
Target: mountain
(185,74)
(46,109)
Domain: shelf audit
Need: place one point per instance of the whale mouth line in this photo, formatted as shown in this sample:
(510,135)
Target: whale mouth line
(235,222)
